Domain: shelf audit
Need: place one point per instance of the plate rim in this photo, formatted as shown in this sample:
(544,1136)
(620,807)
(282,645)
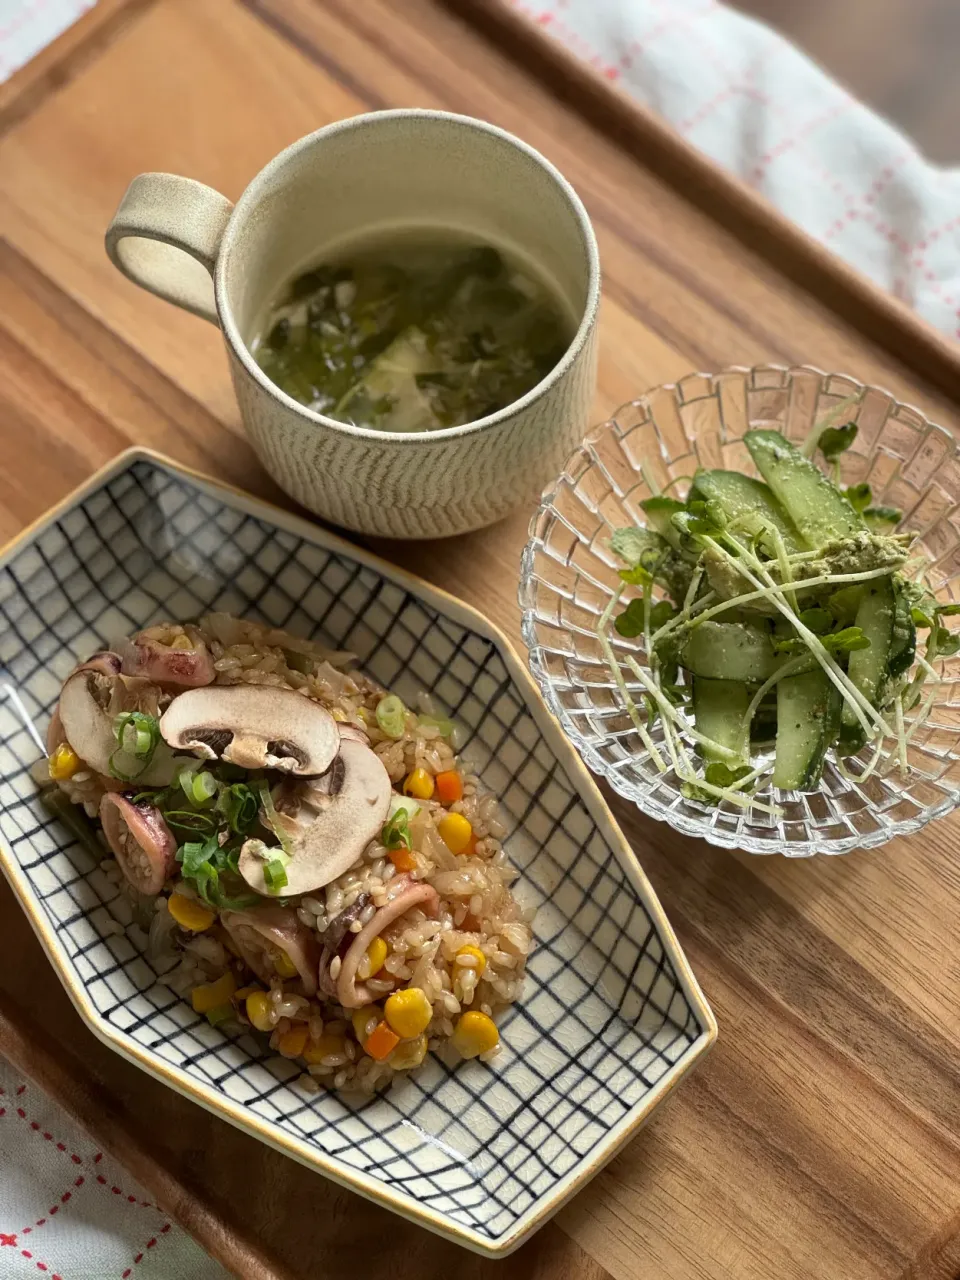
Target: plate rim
(237,1113)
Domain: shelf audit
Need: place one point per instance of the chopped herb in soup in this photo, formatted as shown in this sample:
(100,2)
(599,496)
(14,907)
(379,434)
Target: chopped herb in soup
(413,337)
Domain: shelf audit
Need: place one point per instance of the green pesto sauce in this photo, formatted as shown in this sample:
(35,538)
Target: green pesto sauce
(413,336)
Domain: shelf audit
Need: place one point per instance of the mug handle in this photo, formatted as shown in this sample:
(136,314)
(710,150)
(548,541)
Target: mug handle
(165,237)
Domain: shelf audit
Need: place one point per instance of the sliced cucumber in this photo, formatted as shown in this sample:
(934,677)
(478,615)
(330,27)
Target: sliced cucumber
(729,651)
(748,502)
(867,667)
(843,604)
(808,720)
(719,707)
(903,642)
(817,507)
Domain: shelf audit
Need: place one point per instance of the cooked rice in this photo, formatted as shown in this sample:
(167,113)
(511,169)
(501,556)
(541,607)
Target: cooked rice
(477,909)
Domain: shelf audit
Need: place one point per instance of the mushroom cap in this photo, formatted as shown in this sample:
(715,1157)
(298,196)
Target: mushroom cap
(254,726)
(89,700)
(354,733)
(330,820)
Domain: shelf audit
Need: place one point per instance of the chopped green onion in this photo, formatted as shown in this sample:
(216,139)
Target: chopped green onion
(238,805)
(202,787)
(137,735)
(391,716)
(191,821)
(275,875)
(396,831)
(201,863)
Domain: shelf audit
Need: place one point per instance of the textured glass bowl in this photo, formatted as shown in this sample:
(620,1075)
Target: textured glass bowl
(569,572)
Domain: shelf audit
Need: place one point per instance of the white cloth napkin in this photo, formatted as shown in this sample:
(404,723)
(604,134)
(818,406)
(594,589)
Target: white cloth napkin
(759,107)
(69,1212)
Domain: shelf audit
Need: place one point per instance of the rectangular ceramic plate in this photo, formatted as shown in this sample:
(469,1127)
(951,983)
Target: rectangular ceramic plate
(611,1017)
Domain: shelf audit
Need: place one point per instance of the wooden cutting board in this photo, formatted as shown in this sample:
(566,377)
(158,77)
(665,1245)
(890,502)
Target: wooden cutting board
(821,1139)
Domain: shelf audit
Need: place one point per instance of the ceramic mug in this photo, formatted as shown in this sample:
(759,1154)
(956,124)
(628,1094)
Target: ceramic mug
(388,169)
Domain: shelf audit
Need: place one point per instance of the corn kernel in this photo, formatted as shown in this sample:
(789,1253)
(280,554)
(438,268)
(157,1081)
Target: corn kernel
(293,1042)
(471,952)
(260,1011)
(364,1020)
(64,763)
(408,1012)
(317,1049)
(409,1053)
(419,784)
(455,831)
(372,962)
(338,715)
(210,994)
(189,913)
(284,965)
(181,642)
(474,1034)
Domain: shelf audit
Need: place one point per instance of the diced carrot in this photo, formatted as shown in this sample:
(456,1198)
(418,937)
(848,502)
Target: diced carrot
(381,1042)
(402,859)
(449,787)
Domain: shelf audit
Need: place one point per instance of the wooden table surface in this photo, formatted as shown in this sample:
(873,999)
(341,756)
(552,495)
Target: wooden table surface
(821,1138)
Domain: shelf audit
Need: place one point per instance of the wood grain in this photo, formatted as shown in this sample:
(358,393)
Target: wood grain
(56,62)
(821,1139)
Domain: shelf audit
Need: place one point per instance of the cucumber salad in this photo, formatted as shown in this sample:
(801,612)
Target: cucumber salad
(780,618)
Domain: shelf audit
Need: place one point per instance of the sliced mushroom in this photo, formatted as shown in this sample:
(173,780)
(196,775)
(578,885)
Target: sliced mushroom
(55,735)
(330,821)
(254,726)
(263,932)
(353,994)
(353,733)
(186,663)
(140,840)
(90,700)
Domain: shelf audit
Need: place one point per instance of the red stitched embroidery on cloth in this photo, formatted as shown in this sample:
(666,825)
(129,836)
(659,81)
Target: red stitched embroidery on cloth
(89,1220)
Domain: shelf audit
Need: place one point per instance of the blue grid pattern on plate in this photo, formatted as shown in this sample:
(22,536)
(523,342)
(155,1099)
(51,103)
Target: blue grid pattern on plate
(602,1017)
